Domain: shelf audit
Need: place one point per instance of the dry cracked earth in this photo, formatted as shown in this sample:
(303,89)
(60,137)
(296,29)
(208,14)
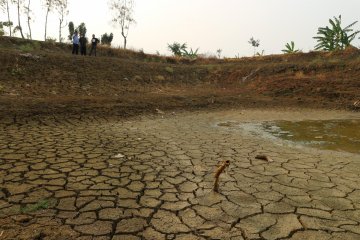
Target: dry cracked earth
(151,178)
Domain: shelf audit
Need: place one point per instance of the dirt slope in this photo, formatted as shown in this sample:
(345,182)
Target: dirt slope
(39,78)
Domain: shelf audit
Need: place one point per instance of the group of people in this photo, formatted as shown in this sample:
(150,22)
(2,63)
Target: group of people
(80,42)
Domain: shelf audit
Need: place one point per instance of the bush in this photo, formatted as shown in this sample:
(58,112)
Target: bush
(30,46)
(51,40)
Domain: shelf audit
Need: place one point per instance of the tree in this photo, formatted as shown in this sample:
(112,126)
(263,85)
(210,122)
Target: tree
(254,43)
(71,30)
(218,52)
(2,5)
(122,15)
(19,4)
(2,29)
(49,4)
(2,9)
(82,29)
(62,9)
(5,5)
(107,39)
(290,48)
(335,37)
(28,13)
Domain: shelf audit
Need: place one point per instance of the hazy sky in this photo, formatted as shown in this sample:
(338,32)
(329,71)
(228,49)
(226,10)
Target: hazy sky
(207,24)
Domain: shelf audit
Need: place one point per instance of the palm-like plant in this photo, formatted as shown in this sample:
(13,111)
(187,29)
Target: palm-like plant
(177,48)
(335,37)
(290,48)
(191,53)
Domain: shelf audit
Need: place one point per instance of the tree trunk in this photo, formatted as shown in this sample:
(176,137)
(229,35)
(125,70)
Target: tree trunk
(46,19)
(60,26)
(29,19)
(19,24)
(8,13)
(124,36)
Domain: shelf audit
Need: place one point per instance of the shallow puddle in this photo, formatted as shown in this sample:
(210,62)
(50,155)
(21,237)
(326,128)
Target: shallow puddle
(339,135)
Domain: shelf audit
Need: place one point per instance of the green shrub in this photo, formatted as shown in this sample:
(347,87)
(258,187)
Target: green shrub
(27,47)
(30,46)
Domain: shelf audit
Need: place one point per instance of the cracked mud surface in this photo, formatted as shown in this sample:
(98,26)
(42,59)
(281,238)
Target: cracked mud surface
(151,178)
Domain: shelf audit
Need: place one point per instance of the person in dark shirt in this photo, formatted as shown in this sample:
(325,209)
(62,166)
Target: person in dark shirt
(94,42)
(83,41)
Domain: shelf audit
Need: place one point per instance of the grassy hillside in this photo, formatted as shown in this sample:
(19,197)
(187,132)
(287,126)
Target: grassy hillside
(38,77)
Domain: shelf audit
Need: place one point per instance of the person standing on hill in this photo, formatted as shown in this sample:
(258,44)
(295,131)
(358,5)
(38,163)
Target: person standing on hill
(83,41)
(94,42)
(75,41)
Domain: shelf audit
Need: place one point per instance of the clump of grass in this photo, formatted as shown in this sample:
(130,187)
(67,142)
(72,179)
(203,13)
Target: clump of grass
(173,60)
(169,69)
(29,47)
(26,48)
(160,78)
(51,40)
(42,204)
(17,70)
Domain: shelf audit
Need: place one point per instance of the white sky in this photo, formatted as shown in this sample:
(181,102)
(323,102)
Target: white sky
(206,24)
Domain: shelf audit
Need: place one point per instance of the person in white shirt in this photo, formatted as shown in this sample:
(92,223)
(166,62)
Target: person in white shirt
(75,43)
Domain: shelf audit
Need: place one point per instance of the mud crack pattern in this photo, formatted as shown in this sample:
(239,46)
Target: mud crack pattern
(151,178)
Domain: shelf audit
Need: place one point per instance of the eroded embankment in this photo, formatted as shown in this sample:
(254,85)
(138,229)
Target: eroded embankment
(49,80)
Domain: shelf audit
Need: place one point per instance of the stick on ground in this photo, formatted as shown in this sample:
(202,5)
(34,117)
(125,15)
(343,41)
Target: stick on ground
(218,172)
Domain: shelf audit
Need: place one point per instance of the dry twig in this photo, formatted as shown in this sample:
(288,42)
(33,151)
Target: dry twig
(218,172)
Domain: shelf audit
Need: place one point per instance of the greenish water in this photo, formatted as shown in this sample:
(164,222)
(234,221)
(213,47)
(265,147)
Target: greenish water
(338,135)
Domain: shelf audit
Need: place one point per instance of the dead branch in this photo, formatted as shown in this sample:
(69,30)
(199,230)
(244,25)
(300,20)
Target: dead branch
(218,172)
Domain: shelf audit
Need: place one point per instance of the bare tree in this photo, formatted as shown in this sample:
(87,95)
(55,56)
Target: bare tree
(62,9)
(4,6)
(28,13)
(122,15)
(19,4)
(9,23)
(49,4)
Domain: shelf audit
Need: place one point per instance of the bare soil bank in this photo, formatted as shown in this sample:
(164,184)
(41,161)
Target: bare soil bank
(47,79)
